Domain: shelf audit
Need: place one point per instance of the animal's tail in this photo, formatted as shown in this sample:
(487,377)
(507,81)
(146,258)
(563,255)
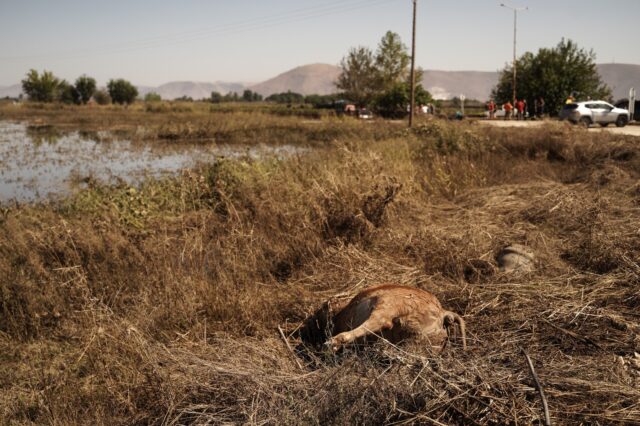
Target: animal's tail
(451,318)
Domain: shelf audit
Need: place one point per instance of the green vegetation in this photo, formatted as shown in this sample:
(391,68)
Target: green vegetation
(152,97)
(249,96)
(381,81)
(49,88)
(41,88)
(358,78)
(102,97)
(67,94)
(162,303)
(85,87)
(288,97)
(392,62)
(121,91)
(553,74)
(216,97)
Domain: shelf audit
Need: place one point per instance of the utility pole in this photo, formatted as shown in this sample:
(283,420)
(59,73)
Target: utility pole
(515,25)
(412,107)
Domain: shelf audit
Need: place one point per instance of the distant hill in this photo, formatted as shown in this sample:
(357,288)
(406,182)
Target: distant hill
(11,91)
(448,84)
(620,77)
(306,80)
(321,78)
(177,89)
(478,84)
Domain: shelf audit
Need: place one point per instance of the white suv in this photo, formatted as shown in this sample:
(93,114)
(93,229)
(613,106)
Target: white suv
(592,112)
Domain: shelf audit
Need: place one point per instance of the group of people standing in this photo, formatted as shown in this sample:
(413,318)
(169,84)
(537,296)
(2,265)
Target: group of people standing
(519,111)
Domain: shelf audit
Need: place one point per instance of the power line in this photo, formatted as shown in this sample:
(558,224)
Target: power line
(194,35)
(172,36)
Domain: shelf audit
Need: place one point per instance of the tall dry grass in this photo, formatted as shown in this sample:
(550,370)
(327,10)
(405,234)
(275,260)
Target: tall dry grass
(161,304)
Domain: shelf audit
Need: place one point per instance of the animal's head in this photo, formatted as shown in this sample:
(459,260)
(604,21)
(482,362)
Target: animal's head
(318,327)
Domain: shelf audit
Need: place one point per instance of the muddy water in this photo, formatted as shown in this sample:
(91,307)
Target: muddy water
(37,164)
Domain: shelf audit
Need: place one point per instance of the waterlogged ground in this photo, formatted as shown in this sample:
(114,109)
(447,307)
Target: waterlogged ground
(40,163)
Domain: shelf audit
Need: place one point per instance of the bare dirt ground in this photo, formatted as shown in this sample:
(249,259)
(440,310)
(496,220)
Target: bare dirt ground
(631,130)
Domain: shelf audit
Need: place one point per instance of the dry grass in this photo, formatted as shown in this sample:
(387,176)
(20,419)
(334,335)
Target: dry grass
(113,316)
(197,122)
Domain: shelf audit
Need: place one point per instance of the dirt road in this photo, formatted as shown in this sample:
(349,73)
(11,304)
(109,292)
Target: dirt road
(627,130)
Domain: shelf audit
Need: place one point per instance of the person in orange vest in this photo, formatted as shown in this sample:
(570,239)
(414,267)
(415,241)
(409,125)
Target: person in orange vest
(520,108)
(491,106)
(507,110)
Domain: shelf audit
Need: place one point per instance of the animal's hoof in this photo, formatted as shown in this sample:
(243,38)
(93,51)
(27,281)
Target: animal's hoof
(333,344)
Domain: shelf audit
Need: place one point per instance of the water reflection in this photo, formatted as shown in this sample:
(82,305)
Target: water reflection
(43,134)
(40,162)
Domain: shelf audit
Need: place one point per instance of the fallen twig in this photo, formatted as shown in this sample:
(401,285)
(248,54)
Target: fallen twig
(286,342)
(545,407)
(573,334)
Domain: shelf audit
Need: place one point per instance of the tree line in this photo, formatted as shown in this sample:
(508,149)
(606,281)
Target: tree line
(46,87)
(288,97)
(377,80)
(553,74)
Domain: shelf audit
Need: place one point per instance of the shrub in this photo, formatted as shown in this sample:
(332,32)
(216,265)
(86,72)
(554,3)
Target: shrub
(121,91)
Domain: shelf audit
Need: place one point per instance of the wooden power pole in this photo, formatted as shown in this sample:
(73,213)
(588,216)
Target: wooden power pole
(515,26)
(412,107)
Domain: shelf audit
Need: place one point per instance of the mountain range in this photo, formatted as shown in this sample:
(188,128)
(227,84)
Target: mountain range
(320,79)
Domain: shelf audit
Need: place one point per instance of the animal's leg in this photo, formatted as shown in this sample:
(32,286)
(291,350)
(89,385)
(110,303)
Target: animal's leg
(376,322)
(451,318)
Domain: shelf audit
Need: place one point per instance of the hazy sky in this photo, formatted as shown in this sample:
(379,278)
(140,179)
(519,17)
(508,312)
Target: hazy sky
(153,42)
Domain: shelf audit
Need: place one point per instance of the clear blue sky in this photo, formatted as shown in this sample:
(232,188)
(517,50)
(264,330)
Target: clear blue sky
(153,42)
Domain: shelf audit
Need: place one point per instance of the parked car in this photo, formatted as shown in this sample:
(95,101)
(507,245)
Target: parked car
(365,114)
(500,113)
(592,112)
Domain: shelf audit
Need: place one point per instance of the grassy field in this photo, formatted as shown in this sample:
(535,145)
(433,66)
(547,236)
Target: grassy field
(161,304)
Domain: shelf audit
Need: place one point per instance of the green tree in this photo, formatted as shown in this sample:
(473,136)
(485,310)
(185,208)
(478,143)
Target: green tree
(102,97)
(358,77)
(231,97)
(392,61)
(381,80)
(321,101)
(393,103)
(121,91)
(247,96)
(67,94)
(41,88)
(215,98)
(152,97)
(288,97)
(553,74)
(85,87)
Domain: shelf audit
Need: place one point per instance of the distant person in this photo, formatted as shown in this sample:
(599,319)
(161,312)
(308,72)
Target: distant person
(570,100)
(491,106)
(507,110)
(520,108)
(541,107)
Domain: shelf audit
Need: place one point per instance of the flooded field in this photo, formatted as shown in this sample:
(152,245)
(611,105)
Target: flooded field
(40,163)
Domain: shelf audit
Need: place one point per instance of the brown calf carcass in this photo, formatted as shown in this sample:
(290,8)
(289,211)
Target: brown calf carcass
(393,312)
